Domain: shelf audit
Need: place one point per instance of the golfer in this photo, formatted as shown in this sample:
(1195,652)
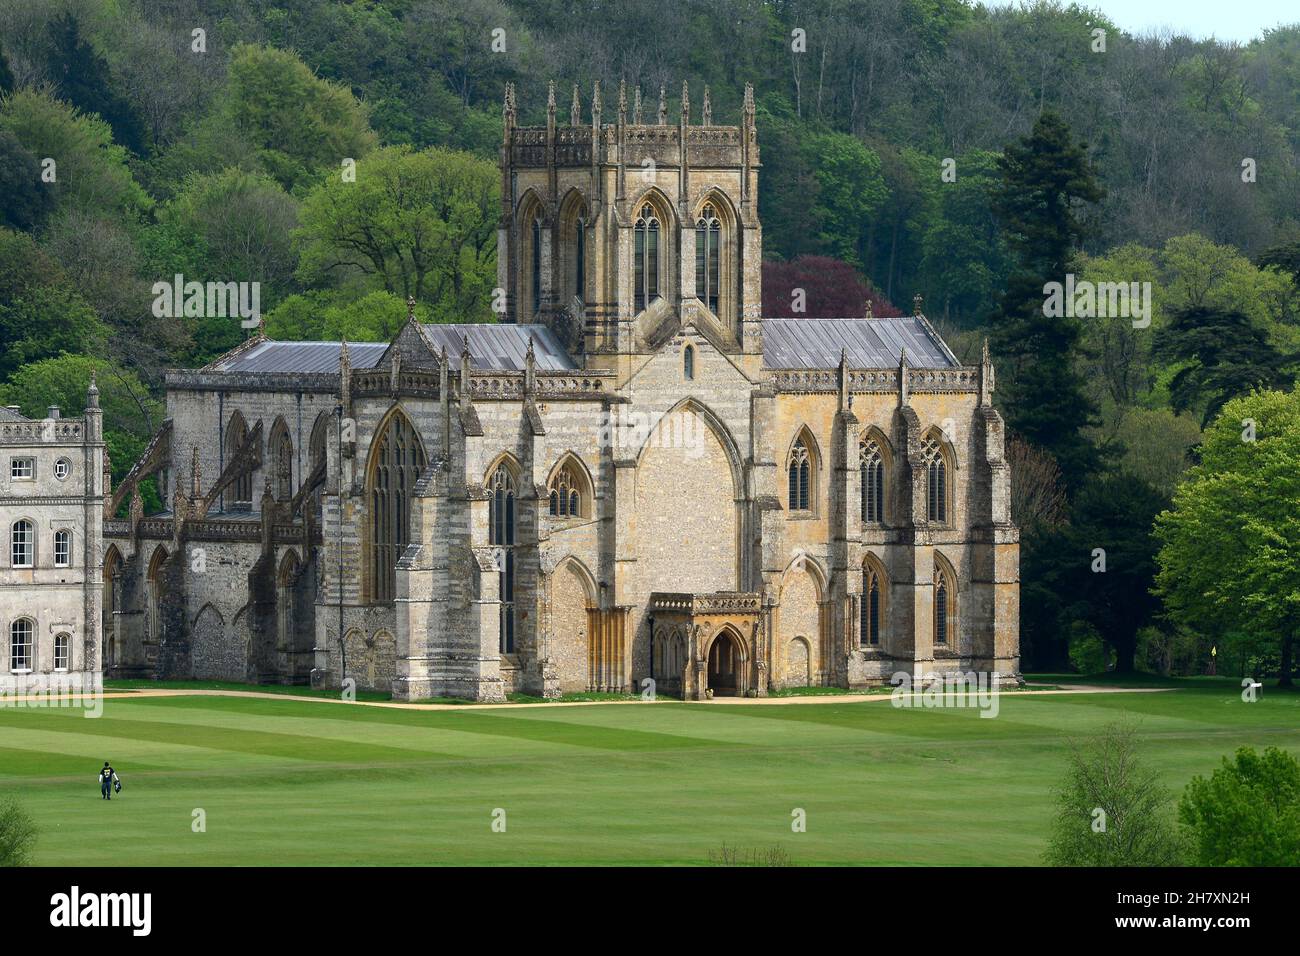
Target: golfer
(107,781)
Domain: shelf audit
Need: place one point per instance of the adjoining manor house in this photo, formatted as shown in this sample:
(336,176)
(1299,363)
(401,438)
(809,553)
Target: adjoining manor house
(633,475)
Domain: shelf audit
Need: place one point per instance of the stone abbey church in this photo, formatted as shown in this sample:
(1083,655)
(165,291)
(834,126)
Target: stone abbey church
(632,475)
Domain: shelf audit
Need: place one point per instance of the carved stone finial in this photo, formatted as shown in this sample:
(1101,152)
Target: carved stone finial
(550,98)
(868,309)
(636,107)
(410,308)
(196,475)
(92,392)
(749,104)
(917,301)
(663,105)
(622,102)
(575,111)
(706,117)
(596,105)
(686,103)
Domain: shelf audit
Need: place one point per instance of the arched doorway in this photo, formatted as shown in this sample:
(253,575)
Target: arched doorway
(724,665)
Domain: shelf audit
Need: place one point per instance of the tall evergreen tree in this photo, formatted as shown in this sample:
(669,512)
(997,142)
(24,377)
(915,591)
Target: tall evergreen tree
(6,76)
(1223,355)
(84,80)
(1045,181)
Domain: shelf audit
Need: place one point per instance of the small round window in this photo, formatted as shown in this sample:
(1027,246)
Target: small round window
(62,468)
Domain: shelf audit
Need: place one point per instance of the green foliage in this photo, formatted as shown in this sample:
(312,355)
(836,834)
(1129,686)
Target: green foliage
(1222,354)
(47,321)
(1107,774)
(25,201)
(91,170)
(376,317)
(300,122)
(1248,812)
(17,834)
(244,223)
(84,81)
(1230,545)
(419,225)
(850,191)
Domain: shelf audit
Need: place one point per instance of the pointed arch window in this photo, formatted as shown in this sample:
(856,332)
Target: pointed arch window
(62,549)
(283,456)
(936,481)
(688,363)
(799,471)
(501,535)
(398,458)
(154,594)
(62,651)
(871,464)
(568,492)
(646,257)
(873,606)
(708,237)
(242,488)
(945,605)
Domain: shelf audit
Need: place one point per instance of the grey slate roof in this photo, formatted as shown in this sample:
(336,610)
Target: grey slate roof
(870,343)
(9,415)
(497,347)
(500,346)
(300,357)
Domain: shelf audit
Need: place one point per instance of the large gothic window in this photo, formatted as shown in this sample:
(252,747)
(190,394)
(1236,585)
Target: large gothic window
(936,481)
(801,473)
(873,605)
(871,464)
(396,462)
(708,232)
(501,535)
(647,265)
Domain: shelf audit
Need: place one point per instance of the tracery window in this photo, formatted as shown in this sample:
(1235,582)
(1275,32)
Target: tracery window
(799,470)
(501,535)
(871,464)
(398,458)
(236,435)
(708,232)
(283,452)
(646,254)
(566,493)
(936,481)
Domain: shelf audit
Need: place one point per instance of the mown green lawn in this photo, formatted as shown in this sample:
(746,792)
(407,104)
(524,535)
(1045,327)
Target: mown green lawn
(296,782)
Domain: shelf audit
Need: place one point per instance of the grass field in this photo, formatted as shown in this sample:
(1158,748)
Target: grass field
(304,782)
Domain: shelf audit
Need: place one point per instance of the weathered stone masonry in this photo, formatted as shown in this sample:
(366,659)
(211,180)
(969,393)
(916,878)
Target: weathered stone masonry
(633,476)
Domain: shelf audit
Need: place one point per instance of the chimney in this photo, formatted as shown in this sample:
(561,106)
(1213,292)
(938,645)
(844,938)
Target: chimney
(53,412)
